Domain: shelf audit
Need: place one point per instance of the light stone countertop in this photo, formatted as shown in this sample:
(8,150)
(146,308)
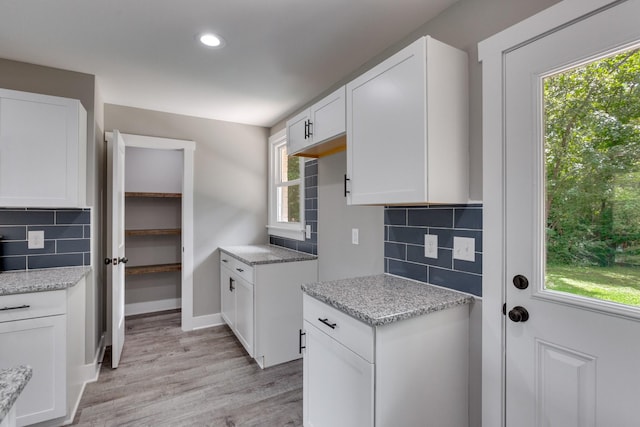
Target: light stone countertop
(12,382)
(46,279)
(382,299)
(265,254)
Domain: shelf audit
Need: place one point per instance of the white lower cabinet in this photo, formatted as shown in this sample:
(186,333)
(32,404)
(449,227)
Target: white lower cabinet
(262,304)
(41,343)
(338,383)
(412,372)
(46,330)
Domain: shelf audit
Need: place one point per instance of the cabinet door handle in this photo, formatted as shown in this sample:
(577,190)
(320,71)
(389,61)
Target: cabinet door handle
(345,185)
(240,270)
(300,346)
(306,129)
(231,287)
(326,322)
(310,129)
(225,260)
(17,307)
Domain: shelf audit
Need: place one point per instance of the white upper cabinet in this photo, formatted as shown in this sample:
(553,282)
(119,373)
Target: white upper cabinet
(43,142)
(324,121)
(407,128)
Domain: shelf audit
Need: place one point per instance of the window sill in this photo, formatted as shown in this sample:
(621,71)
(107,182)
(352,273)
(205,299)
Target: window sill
(288,233)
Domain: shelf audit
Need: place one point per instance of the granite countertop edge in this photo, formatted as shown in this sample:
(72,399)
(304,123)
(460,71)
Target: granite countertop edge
(455,298)
(12,382)
(41,280)
(278,254)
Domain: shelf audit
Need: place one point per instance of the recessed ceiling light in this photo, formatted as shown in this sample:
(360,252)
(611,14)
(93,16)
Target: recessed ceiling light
(211,40)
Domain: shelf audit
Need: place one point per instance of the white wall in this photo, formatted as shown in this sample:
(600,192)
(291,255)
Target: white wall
(338,258)
(230,186)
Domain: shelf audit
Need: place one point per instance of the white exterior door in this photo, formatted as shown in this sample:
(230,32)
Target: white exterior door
(574,361)
(116,154)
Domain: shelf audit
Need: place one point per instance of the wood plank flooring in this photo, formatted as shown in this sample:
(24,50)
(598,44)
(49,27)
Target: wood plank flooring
(168,377)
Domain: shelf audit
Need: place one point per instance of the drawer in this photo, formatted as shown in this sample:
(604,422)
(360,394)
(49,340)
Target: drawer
(237,267)
(35,304)
(353,334)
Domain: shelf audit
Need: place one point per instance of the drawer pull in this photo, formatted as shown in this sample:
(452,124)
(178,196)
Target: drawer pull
(225,260)
(240,270)
(231,286)
(18,307)
(329,324)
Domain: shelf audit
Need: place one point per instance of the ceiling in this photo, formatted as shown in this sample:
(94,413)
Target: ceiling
(279,54)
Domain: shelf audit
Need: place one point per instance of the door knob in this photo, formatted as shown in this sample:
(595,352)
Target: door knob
(518,314)
(520,281)
(123,260)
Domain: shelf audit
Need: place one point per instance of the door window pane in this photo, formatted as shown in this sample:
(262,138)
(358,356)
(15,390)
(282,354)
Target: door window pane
(592,167)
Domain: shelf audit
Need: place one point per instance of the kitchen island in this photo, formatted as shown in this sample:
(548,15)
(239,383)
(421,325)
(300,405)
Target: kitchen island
(385,351)
(12,382)
(261,299)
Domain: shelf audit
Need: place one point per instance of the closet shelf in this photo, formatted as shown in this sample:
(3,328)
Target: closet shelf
(158,268)
(153,232)
(153,195)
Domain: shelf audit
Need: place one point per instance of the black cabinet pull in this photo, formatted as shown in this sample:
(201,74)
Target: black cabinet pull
(345,185)
(329,324)
(18,307)
(300,346)
(225,260)
(310,129)
(231,287)
(306,129)
(240,270)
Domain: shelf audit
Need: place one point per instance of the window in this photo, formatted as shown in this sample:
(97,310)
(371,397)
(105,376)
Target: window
(286,190)
(592,162)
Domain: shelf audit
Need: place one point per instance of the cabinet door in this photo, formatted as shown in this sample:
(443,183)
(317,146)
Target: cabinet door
(297,136)
(41,344)
(386,124)
(328,117)
(40,150)
(228,297)
(338,387)
(244,313)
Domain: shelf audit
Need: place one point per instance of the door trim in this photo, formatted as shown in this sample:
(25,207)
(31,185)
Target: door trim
(188,148)
(491,52)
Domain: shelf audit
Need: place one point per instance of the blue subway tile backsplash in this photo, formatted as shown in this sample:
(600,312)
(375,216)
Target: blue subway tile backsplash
(309,245)
(67,238)
(405,228)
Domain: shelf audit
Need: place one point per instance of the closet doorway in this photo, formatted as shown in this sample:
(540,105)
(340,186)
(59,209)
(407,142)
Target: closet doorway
(150,221)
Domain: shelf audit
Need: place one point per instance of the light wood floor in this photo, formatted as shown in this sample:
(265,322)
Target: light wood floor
(168,377)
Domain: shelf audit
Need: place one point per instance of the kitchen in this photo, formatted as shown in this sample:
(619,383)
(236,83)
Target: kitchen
(230,185)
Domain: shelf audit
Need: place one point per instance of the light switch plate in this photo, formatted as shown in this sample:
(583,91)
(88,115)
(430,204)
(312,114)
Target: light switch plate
(355,238)
(35,239)
(464,248)
(431,246)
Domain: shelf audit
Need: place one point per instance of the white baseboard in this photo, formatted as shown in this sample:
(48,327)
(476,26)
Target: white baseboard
(152,306)
(207,321)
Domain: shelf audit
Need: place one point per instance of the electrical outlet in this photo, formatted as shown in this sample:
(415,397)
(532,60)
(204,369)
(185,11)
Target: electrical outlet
(307,232)
(35,239)
(464,248)
(431,246)
(355,236)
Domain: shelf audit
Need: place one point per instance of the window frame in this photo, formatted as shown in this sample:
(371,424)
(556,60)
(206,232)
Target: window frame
(289,230)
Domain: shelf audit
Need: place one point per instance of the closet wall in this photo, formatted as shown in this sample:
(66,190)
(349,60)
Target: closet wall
(153,207)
